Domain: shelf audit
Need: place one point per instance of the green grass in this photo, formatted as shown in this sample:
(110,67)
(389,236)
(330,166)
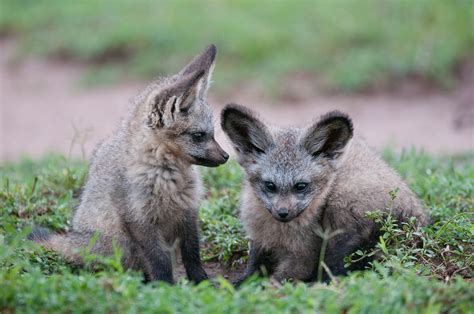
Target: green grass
(347,46)
(419,271)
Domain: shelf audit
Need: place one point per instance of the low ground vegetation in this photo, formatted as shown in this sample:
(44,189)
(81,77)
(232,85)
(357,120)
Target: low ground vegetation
(427,270)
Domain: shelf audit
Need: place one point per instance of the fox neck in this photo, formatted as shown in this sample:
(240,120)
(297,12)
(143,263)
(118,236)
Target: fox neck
(159,159)
(164,184)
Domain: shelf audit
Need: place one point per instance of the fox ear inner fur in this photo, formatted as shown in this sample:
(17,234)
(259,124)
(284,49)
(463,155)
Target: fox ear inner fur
(189,87)
(329,136)
(247,133)
(177,99)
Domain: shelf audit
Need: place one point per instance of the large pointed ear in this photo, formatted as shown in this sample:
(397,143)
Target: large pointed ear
(175,100)
(329,136)
(203,62)
(249,136)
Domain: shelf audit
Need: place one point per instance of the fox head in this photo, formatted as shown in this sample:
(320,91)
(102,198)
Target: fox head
(288,169)
(174,112)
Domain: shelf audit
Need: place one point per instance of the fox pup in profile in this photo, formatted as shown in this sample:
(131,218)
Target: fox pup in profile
(301,182)
(142,192)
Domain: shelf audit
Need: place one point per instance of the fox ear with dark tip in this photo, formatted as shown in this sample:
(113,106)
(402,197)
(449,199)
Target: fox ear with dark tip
(329,136)
(249,136)
(205,61)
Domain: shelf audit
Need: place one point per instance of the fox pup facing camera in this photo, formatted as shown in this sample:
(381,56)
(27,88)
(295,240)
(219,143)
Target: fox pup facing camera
(142,192)
(300,183)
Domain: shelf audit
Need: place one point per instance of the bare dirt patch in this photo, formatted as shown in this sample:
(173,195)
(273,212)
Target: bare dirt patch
(213,270)
(44,108)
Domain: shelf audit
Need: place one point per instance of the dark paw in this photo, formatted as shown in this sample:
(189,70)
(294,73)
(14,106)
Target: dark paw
(198,276)
(168,277)
(239,281)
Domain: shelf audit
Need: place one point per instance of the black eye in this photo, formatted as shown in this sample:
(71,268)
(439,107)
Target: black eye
(270,186)
(198,136)
(301,186)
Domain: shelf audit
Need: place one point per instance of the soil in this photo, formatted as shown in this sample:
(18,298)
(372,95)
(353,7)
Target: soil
(45,108)
(213,270)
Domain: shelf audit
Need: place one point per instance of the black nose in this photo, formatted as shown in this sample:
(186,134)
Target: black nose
(225,156)
(282,212)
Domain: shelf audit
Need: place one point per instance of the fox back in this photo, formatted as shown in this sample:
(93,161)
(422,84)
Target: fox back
(303,182)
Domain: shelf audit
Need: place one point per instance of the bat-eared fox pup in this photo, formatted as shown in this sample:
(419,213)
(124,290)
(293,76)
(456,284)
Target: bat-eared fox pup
(142,193)
(300,183)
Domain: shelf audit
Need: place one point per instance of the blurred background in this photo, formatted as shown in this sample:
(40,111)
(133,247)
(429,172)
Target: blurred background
(404,70)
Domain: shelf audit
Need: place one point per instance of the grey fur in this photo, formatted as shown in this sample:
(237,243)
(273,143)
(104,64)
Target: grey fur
(341,180)
(39,234)
(142,191)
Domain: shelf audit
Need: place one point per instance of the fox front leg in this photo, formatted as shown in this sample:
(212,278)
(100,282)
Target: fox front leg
(156,259)
(190,251)
(299,268)
(161,267)
(258,258)
(343,245)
